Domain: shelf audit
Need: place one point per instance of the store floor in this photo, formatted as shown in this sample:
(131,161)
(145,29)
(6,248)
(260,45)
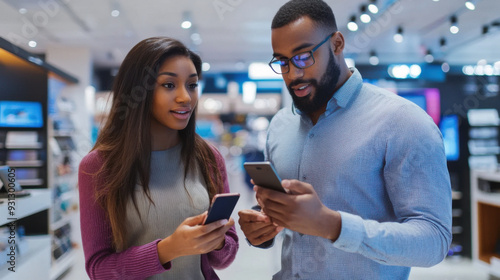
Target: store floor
(252,263)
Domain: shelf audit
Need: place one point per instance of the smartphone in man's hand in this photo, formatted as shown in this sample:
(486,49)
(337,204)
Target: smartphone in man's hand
(222,206)
(264,175)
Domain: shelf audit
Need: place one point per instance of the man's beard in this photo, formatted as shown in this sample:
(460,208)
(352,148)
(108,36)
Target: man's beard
(324,90)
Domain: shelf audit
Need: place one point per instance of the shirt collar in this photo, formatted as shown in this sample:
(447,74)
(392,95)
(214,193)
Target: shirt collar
(346,92)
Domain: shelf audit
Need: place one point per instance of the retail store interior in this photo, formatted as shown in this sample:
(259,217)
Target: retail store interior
(58,60)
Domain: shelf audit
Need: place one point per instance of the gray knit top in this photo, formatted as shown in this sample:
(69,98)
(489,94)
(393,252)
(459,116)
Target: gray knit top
(175,199)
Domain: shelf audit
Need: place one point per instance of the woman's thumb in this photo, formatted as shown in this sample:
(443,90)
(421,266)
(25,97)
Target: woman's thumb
(196,220)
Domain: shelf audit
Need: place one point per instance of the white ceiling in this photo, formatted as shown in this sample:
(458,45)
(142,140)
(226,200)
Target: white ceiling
(236,32)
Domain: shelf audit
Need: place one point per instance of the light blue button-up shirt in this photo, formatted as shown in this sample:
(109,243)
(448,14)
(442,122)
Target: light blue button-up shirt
(379,160)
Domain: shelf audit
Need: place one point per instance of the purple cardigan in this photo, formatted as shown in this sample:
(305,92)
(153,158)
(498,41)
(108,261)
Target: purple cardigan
(103,262)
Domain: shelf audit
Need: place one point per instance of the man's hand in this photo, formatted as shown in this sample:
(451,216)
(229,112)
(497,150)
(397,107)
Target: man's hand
(257,226)
(300,210)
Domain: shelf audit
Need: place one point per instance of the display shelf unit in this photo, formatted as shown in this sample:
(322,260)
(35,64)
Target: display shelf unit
(62,264)
(33,263)
(458,169)
(25,78)
(37,201)
(485,199)
(64,180)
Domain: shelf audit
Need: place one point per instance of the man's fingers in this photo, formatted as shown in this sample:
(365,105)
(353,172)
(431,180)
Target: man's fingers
(249,216)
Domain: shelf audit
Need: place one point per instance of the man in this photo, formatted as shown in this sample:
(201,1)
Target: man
(370,195)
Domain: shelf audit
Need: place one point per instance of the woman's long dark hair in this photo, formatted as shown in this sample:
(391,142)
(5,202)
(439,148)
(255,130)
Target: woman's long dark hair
(124,142)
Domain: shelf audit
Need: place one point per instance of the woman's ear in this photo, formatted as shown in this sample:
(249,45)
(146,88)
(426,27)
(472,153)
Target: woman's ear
(338,43)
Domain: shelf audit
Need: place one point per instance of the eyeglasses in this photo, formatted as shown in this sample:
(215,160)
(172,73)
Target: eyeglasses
(301,60)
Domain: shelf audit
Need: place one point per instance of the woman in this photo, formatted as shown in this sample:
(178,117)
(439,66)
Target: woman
(145,185)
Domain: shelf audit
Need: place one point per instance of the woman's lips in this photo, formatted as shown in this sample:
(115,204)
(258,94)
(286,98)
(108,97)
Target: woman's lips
(181,114)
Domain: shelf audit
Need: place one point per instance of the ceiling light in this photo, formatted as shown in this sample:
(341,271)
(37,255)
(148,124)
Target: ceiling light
(195,37)
(468,70)
(373,58)
(479,70)
(454,26)
(372,7)
(482,62)
(186,20)
(365,18)
(32,44)
(115,8)
(415,71)
(352,25)
(249,92)
(399,71)
(186,24)
(23,11)
(429,58)
(398,37)
(205,66)
(470,5)
(445,67)
(488,70)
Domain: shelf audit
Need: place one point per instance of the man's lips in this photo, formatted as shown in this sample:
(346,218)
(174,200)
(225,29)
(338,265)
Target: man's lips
(302,90)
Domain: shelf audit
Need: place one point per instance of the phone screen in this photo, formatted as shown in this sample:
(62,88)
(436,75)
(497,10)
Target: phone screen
(222,207)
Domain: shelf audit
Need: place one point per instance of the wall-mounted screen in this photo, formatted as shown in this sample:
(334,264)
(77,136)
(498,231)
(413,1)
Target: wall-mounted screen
(427,98)
(449,127)
(20,114)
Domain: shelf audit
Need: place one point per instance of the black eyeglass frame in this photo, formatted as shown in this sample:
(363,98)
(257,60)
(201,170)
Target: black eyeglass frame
(291,59)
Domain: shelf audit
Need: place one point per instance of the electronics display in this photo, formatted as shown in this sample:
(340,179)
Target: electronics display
(417,99)
(21,114)
(429,99)
(449,128)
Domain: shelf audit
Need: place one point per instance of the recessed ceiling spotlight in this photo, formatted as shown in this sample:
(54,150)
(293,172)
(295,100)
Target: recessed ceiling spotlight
(470,5)
(454,25)
(23,11)
(186,20)
(205,66)
(374,60)
(372,7)
(429,58)
(398,37)
(115,13)
(352,25)
(32,44)
(445,67)
(364,17)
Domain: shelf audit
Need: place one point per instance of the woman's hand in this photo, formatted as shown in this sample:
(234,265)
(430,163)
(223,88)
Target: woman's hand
(193,238)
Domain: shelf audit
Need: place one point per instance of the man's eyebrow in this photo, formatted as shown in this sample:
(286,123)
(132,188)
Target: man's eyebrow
(303,46)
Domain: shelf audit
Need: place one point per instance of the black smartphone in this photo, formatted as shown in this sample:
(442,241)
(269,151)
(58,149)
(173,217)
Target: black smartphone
(264,175)
(222,206)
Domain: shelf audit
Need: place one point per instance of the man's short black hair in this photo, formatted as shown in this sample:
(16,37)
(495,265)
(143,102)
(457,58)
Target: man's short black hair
(317,10)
